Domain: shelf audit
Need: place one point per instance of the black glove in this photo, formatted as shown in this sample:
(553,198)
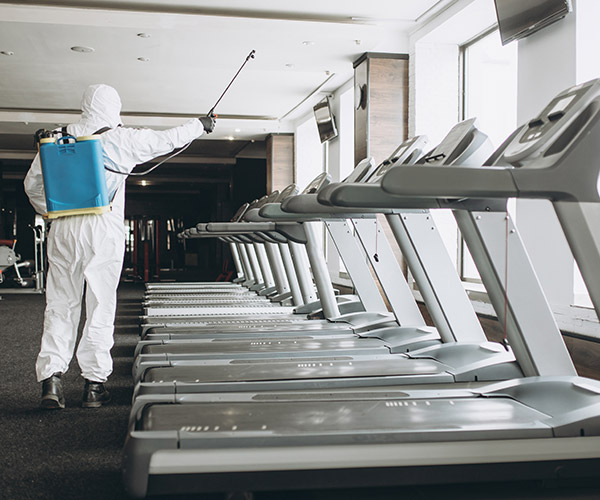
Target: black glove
(208,122)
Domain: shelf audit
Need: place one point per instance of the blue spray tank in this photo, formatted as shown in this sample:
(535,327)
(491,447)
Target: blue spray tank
(74,178)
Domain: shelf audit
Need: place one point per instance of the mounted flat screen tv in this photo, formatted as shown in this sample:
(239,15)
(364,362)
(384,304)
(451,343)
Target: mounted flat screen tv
(520,18)
(325,120)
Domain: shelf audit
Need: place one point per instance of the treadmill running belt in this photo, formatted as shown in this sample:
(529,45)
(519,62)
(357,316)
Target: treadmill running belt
(262,345)
(364,421)
(247,371)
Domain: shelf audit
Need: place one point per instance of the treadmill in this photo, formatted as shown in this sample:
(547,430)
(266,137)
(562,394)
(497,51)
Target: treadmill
(465,356)
(539,426)
(246,261)
(398,294)
(402,304)
(270,292)
(297,233)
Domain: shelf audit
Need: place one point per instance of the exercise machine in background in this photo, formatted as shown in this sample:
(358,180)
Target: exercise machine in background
(23,276)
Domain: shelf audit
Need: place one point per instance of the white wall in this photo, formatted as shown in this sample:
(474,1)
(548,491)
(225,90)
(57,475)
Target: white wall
(588,40)
(435,95)
(547,65)
(308,151)
(341,149)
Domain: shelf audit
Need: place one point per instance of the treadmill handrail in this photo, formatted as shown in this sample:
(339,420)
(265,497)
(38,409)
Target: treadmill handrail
(310,204)
(239,227)
(449,182)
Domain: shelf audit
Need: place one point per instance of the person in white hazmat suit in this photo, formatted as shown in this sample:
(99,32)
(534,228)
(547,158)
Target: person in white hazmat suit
(89,249)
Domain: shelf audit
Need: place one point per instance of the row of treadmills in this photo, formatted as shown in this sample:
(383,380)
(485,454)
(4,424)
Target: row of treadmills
(275,381)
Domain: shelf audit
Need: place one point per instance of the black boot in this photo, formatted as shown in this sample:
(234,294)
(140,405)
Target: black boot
(52,393)
(94,394)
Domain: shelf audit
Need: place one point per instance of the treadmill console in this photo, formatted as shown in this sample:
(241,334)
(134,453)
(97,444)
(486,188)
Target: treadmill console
(543,130)
(271,198)
(361,171)
(406,154)
(240,213)
(290,190)
(464,144)
(263,200)
(317,183)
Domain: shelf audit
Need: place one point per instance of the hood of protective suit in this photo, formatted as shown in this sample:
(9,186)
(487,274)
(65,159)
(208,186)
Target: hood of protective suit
(100,107)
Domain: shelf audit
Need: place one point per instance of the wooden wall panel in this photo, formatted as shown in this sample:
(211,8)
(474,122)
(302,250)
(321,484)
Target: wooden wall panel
(280,161)
(361,115)
(388,103)
(383,123)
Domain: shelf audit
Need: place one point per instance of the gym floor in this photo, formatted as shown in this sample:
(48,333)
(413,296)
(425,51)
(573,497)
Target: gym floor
(75,453)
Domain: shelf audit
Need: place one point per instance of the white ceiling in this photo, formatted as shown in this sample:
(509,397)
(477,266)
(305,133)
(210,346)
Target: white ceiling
(193,49)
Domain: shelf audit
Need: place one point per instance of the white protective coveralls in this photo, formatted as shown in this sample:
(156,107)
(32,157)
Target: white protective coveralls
(89,248)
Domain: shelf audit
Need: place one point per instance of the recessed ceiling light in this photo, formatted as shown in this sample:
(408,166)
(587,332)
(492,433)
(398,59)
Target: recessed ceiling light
(143,59)
(144,35)
(144,183)
(231,138)
(238,130)
(7,53)
(308,42)
(78,48)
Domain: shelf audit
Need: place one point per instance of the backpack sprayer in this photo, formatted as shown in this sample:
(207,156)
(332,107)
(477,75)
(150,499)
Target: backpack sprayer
(73,168)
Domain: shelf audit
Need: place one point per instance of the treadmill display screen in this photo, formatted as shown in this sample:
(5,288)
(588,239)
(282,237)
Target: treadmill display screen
(538,127)
(562,104)
(317,183)
(458,133)
(389,163)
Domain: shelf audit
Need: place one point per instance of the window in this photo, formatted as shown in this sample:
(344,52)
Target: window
(490,85)
(489,90)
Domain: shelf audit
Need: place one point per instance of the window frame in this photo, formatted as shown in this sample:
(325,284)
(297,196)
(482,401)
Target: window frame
(462,102)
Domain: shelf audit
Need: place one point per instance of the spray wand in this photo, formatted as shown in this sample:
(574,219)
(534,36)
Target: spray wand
(250,56)
(211,113)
